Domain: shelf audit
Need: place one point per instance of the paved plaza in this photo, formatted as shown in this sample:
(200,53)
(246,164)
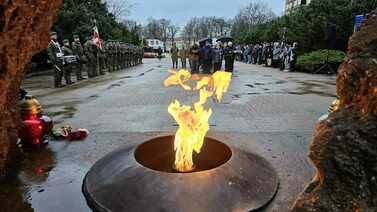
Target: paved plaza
(266,111)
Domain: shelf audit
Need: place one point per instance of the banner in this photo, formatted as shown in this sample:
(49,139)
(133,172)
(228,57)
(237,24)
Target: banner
(358,21)
(96,38)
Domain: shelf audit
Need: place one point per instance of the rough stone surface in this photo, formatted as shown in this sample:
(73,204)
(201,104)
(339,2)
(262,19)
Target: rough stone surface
(24,30)
(344,148)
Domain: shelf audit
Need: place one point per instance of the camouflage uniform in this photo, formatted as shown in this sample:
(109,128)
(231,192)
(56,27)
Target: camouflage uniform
(129,54)
(78,51)
(174,56)
(102,59)
(141,55)
(109,51)
(55,54)
(90,50)
(114,56)
(132,55)
(67,67)
(122,54)
(125,55)
(118,55)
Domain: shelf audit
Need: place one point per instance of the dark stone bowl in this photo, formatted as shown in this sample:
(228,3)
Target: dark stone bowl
(141,178)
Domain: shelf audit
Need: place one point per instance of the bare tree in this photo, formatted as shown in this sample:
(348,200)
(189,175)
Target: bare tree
(153,29)
(198,28)
(119,8)
(188,31)
(133,27)
(161,29)
(164,28)
(253,14)
(173,30)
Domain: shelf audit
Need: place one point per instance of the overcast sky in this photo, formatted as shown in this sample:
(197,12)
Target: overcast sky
(180,11)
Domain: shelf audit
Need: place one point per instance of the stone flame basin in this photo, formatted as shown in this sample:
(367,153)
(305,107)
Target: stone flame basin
(141,178)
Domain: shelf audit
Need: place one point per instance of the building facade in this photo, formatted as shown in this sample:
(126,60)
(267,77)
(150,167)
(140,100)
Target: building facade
(290,5)
(155,44)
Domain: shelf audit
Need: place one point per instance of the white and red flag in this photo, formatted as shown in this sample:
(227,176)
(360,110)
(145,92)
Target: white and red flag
(96,38)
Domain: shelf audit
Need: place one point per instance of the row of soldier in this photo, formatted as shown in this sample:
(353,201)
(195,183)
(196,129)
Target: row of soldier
(110,56)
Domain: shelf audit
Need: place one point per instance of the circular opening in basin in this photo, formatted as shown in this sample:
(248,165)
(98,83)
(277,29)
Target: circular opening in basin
(158,154)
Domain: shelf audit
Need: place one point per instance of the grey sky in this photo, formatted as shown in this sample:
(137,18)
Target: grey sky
(180,11)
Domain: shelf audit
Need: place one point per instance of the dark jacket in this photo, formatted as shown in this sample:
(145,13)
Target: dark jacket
(218,55)
(194,53)
(229,53)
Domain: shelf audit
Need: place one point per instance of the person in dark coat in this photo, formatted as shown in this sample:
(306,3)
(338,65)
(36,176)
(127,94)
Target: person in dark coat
(218,58)
(159,53)
(259,54)
(207,58)
(269,55)
(250,54)
(229,56)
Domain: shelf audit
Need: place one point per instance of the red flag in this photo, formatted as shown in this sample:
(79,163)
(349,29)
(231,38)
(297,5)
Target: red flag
(96,38)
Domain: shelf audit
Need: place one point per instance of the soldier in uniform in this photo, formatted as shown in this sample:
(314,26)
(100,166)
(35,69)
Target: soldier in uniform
(123,55)
(116,49)
(135,55)
(107,55)
(67,66)
(118,55)
(138,50)
(141,54)
(126,52)
(113,56)
(174,56)
(55,54)
(132,55)
(90,50)
(78,51)
(101,58)
(127,56)
(183,55)
(109,52)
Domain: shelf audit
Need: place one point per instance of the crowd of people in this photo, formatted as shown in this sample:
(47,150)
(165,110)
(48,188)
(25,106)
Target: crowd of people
(95,57)
(205,59)
(209,58)
(277,55)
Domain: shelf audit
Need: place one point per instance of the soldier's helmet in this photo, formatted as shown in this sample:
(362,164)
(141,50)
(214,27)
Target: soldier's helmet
(53,34)
(76,36)
(66,41)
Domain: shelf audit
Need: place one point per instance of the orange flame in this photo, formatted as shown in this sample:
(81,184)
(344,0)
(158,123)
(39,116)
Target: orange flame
(219,83)
(179,78)
(193,123)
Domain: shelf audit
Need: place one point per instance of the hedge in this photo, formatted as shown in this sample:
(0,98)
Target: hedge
(311,62)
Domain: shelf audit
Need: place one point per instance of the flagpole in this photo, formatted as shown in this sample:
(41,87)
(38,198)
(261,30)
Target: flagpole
(96,36)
